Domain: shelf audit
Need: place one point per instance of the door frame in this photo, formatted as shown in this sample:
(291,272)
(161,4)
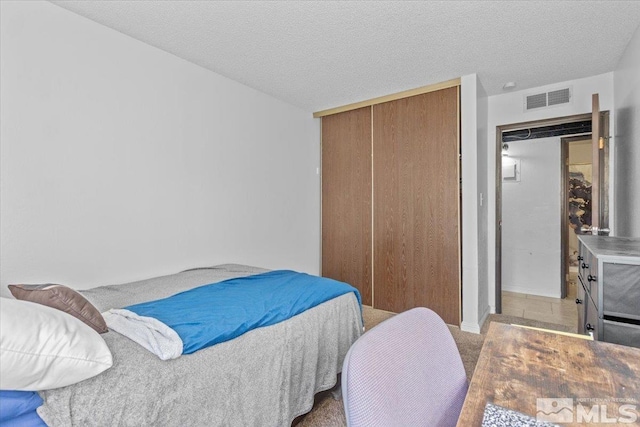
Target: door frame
(498,186)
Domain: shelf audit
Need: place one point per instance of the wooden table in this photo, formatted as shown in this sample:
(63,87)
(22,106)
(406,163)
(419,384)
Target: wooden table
(517,366)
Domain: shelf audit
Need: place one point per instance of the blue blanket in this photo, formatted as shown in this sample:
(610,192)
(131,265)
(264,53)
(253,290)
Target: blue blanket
(219,312)
(18,409)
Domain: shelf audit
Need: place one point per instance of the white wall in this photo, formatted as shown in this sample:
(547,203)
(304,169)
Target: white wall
(482,211)
(120,161)
(507,109)
(626,81)
(473,113)
(531,219)
(469,150)
(580,152)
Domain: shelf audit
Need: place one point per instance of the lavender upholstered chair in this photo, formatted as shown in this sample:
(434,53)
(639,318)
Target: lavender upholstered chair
(406,371)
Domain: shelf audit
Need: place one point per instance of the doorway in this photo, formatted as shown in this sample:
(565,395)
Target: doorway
(577,181)
(511,173)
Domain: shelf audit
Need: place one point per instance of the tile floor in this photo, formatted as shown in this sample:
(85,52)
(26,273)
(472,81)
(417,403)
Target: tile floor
(544,309)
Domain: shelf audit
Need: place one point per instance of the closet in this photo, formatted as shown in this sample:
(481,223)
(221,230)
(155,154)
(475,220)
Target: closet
(391,200)
(346,199)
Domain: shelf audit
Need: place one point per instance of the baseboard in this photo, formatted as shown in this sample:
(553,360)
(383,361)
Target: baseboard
(486,313)
(470,327)
(531,291)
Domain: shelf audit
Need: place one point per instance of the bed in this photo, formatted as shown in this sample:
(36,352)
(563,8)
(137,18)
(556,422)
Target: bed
(265,377)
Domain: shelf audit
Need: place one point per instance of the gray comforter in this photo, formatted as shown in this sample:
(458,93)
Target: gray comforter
(265,377)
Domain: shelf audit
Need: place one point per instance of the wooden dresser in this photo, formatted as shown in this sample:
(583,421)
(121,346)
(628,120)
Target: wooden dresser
(608,296)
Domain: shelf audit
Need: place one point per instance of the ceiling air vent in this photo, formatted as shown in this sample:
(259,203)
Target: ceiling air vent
(547,99)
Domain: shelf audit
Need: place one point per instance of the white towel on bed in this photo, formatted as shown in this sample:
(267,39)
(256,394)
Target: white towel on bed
(149,332)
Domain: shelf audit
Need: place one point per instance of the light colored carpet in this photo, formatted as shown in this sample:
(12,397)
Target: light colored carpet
(328,412)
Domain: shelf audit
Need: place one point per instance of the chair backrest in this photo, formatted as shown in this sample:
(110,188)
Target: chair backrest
(406,371)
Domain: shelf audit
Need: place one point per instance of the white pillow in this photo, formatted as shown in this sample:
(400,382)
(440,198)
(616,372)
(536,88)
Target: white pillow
(43,348)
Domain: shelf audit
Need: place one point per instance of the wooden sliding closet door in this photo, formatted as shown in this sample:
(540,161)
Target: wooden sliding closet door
(346,199)
(416,204)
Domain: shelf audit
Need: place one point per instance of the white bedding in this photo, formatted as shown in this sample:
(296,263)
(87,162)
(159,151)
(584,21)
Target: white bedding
(149,332)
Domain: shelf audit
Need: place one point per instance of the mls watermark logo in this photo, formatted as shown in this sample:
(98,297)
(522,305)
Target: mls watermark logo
(555,410)
(587,410)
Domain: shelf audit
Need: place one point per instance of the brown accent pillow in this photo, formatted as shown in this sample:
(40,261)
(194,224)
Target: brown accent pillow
(63,298)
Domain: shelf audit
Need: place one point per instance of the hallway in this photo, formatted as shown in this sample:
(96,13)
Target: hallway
(545,309)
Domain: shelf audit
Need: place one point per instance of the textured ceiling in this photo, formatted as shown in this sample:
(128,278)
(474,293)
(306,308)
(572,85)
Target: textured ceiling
(321,54)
